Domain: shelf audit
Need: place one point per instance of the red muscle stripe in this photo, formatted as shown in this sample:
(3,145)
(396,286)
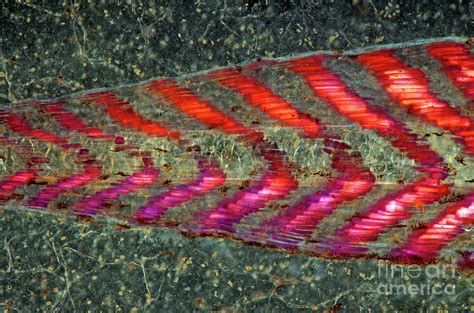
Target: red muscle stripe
(275,184)
(122,113)
(302,218)
(70,121)
(288,229)
(392,209)
(329,86)
(387,213)
(18,125)
(409,88)
(457,63)
(91,205)
(11,183)
(211,177)
(425,243)
(190,104)
(263,98)
(52,191)
(355,108)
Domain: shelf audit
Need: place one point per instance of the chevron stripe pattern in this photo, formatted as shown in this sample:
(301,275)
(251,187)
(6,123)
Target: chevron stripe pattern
(335,155)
